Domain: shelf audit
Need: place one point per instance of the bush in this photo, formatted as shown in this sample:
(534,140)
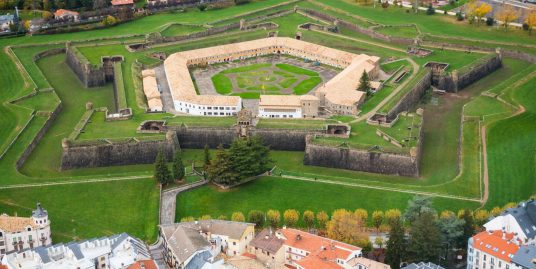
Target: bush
(490,21)
(241,2)
(202,7)
(430,10)
(459,16)
(525,26)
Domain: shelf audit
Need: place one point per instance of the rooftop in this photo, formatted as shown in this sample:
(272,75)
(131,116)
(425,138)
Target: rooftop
(496,243)
(61,12)
(526,257)
(267,241)
(423,265)
(15,224)
(122,2)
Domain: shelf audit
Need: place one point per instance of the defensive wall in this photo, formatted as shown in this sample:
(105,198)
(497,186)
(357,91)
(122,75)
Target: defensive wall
(461,78)
(368,160)
(412,97)
(101,153)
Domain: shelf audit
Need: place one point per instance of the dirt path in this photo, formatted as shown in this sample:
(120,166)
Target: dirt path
(485,177)
(69,182)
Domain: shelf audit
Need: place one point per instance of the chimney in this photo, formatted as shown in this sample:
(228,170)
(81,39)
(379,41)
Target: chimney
(298,237)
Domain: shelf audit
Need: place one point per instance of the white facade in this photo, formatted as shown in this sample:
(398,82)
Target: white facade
(18,233)
(510,225)
(280,113)
(114,252)
(206,110)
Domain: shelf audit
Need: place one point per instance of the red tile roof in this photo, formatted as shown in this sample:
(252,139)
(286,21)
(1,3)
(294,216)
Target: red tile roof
(496,243)
(313,243)
(61,12)
(315,262)
(144,264)
(122,2)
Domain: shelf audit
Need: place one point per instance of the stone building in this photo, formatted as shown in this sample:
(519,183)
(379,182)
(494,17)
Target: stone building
(199,244)
(150,88)
(18,233)
(337,96)
(288,106)
(64,14)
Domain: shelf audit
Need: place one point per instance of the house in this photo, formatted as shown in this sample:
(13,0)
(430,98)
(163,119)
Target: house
(288,106)
(302,250)
(525,257)
(144,264)
(64,14)
(150,88)
(422,265)
(18,233)
(123,3)
(6,21)
(197,244)
(520,221)
(492,249)
(114,252)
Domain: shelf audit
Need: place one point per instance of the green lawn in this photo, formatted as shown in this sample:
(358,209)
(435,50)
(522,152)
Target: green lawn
(180,29)
(399,31)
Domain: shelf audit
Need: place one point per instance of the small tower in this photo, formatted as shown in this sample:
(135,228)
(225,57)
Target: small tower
(40,216)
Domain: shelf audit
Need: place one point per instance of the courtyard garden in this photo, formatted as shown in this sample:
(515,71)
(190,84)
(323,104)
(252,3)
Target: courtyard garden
(451,167)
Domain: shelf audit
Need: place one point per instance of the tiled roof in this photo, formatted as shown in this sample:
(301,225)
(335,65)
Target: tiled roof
(15,224)
(367,263)
(61,12)
(423,265)
(267,241)
(496,243)
(144,264)
(122,2)
(315,262)
(312,243)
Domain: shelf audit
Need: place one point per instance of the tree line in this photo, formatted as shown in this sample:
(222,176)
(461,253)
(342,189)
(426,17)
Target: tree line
(418,234)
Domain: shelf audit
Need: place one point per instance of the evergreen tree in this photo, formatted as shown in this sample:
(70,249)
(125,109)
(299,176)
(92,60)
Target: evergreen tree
(468,228)
(178,166)
(161,170)
(364,83)
(425,239)
(417,206)
(396,245)
(206,160)
(451,231)
(220,168)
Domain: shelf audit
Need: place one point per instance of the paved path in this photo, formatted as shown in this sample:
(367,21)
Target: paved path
(432,194)
(168,201)
(161,79)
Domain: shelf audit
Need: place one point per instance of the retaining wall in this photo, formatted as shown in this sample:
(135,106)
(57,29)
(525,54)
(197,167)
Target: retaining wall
(29,149)
(126,153)
(89,75)
(198,137)
(412,97)
(455,81)
(293,140)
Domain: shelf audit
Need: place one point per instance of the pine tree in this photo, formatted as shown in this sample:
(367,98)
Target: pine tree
(364,83)
(178,166)
(161,170)
(396,245)
(425,239)
(206,161)
(220,168)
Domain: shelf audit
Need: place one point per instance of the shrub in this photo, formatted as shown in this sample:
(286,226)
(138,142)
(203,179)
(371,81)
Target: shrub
(490,21)
(525,26)
(459,16)
(202,7)
(430,10)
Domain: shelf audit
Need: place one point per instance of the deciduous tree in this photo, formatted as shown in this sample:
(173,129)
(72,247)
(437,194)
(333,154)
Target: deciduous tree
(377,219)
(481,10)
(309,218)
(506,14)
(238,216)
(187,219)
(205,217)
(274,218)
(481,217)
(362,214)
(392,215)
(451,231)
(322,219)
(291,217)
(418,206)
(346,226)
(257,217)
(468,227)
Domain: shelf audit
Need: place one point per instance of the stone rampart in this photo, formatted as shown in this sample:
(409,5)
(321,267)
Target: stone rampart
(47,53)
(412,97)
(361,160)
(29,149)
(117,153)
(459,79)
(284,139)
(198,137)
(89,75)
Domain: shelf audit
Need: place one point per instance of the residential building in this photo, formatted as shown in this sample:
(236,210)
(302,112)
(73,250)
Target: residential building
(525,257)
(18,233)
(197,244)
(302,250)
(123,3)
(520,221)
(423,265)
(6,21)
(144,264)
(64,14)
(114,252)
(492,250)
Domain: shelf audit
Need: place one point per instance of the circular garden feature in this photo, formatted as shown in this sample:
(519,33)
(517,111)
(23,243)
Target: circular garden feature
(251,81)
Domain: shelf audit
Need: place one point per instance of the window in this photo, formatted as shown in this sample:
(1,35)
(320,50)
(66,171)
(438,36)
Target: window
(234,243)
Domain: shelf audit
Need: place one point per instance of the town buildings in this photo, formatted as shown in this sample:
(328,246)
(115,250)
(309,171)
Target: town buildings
(114,252)
(423,265)
(302,250)
(288,106)
(17,233)
(150,88)
(6,21)
(64,14)
(508,242)
(337,96)
(199,244)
